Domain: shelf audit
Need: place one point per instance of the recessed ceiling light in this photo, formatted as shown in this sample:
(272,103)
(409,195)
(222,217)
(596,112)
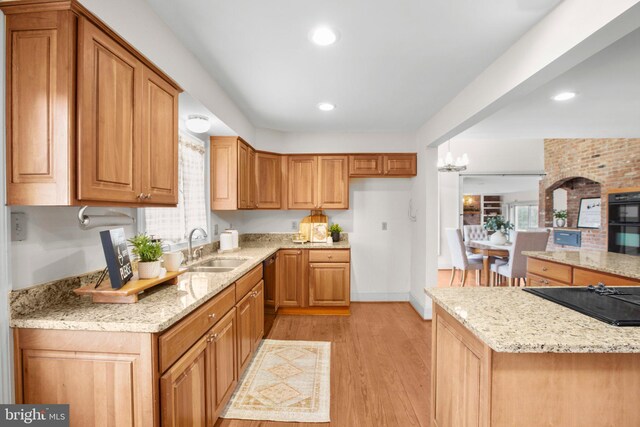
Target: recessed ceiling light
(564,96)
(323,36)
(326,106)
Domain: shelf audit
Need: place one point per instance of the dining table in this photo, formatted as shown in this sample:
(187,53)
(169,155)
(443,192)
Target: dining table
(488,250)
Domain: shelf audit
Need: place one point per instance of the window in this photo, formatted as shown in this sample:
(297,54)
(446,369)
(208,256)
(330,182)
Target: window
(173,224)
(524,217)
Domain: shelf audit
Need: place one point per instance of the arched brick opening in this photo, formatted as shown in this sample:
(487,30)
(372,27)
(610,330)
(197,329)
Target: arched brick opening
(577,188)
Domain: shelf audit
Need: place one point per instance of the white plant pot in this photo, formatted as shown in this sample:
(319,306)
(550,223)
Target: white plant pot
(498,238)
(148,270)
(560,222)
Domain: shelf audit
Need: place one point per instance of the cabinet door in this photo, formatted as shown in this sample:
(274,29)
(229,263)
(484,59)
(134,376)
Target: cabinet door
(245,332)
(109,118)
(159,140)
(333,182)
(258,314)
(329,284)
(251,178)
(363,165)
(184,389)
(400,164)
(268,181)
(244,179)
(291,283)
(224,173)
(40,103)
(222,364)
(303,182)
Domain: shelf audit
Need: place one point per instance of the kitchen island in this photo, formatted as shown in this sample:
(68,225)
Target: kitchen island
(504,357)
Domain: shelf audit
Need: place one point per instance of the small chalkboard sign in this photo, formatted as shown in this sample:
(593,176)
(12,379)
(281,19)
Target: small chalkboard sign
(116,254)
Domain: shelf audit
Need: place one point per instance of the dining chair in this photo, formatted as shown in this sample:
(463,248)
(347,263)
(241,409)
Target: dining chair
(459,258)
(515,269)
(474,232)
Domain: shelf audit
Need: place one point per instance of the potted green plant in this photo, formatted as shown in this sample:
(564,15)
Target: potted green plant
(335,231)
(148,253)
(500,226)
(561,217)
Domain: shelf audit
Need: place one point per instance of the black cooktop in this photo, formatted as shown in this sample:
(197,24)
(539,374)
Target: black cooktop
(616,306)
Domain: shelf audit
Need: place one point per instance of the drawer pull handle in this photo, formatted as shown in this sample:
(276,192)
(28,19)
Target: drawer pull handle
(149,196)
(329,256)
(212,316)
(212,338)
(544,268)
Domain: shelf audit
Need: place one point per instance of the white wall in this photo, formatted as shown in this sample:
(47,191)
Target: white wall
(381,260)
(521,196)
(485,156)
(56,247)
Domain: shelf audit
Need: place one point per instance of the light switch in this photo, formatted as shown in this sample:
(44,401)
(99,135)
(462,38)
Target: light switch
(294,225)
(384,226)
(18,226)
(215,229)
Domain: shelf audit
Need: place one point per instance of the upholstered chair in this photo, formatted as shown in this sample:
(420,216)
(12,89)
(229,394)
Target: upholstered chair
(474,232)
(515,269)
(459,259)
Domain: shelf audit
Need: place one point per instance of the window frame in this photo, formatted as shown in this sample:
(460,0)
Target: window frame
(140,217)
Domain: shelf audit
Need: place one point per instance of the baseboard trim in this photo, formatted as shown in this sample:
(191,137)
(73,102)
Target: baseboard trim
(380,297)
(417,306)
(315,311)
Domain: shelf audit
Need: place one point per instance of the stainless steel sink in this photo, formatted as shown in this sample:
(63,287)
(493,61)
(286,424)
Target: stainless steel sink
(218,265)
(224,263)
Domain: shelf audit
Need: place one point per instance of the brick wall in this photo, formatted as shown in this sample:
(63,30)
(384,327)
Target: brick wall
(587,168)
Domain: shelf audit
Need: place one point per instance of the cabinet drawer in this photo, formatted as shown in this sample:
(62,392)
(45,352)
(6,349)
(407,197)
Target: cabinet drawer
(584,277)
(535,280)
(551,270)
(247,282)
(177,340)
(329,255)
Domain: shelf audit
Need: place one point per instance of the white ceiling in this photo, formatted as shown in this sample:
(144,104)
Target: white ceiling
(607,104)
(396,62)
(499,184)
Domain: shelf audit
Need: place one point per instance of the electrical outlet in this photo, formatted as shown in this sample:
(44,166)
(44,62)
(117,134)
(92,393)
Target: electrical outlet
(384,226)
(215,229)
(18,227)
(294,225)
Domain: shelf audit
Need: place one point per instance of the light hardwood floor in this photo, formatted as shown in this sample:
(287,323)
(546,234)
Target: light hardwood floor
(380,365)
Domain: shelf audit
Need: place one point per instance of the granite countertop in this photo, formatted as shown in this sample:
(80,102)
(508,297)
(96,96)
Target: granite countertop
(510,320)
(606,262)
(159,308)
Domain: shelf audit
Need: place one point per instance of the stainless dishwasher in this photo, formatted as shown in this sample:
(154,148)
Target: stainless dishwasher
(270,292)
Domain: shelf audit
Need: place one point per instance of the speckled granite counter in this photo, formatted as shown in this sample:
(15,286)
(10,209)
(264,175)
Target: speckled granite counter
(607,262)
(513,321)
(160,307)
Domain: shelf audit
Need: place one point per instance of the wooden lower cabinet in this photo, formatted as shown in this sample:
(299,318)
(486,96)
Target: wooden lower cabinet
(329,284)
(292,269)
(250,312)
(196,388)
(547,273)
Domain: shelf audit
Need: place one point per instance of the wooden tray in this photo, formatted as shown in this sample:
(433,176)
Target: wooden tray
(127,294)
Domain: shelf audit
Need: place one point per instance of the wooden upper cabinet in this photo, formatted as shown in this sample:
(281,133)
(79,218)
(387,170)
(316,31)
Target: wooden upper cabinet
(303,182)
(400,165)
(244,181)
(109,122)
(333,182)
(81,102)
(365,165)
(39,106)
(224,173)
(268,176)
(159,139)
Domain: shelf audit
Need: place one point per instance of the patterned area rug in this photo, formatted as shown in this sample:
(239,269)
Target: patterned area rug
(286,381)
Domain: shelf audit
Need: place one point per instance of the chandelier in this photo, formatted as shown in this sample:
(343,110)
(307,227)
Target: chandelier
(448,165)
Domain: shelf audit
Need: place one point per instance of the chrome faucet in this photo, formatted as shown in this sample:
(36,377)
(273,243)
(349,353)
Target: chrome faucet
(190,256)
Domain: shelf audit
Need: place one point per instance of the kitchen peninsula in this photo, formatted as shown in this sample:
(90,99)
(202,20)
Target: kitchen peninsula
(503,357)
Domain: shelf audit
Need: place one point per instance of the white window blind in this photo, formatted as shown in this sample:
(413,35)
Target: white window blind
(173,224)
